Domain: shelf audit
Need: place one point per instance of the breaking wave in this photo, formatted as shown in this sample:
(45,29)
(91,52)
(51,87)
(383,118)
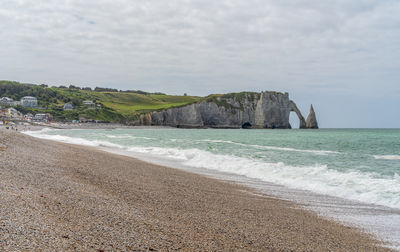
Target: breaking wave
(265,147)
(387,157)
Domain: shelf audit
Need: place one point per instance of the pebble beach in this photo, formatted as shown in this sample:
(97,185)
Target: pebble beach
(62,197)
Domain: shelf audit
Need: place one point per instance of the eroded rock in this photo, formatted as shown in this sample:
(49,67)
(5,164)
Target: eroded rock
(236,110)
(311,122)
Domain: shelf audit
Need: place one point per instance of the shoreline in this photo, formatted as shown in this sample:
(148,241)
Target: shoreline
(167,205)
(368,217)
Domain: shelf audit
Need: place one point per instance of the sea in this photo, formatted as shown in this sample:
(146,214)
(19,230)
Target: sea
(349,175)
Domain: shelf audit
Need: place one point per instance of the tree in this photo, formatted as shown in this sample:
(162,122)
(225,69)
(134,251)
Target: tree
(75,101)
(73,87)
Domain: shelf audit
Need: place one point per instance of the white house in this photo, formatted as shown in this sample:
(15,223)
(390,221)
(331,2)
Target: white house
(29,101)
(88,102)
(68,106)
(7,101)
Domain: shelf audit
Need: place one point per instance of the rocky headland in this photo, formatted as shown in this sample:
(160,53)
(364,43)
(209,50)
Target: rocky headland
(268,110)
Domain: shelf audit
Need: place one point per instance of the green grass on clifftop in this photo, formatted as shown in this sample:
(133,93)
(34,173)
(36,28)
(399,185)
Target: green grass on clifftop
(131,103)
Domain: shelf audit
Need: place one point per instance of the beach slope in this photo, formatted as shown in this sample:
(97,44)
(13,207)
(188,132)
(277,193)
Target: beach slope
(59,197)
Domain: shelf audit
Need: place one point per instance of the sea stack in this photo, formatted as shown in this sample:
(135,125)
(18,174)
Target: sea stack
(311,122)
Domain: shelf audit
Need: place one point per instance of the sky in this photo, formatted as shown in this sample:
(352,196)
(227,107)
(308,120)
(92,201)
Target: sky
(342,56)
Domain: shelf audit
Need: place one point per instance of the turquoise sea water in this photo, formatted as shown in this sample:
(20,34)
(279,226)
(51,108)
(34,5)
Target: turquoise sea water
(356,164)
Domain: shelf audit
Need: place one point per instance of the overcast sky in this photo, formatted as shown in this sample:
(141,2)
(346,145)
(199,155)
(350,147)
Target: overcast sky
(341,55)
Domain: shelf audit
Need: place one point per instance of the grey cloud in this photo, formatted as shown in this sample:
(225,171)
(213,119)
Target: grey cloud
(221,45)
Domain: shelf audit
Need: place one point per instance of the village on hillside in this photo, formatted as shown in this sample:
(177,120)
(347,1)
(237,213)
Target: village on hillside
(10,115)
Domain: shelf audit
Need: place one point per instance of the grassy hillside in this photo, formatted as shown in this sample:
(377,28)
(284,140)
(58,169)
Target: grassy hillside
(113,105)
(130,103)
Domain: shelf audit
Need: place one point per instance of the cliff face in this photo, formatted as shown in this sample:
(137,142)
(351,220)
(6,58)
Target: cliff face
(248,110)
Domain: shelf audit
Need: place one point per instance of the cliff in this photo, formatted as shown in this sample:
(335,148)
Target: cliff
(248,110)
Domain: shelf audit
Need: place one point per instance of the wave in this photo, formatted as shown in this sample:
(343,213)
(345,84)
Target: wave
(387,157)
(126,136)
(266,147)
(72,140)
(352,185)
(365,187)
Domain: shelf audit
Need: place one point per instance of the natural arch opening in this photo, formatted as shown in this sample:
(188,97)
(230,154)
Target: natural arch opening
(246,125)
(294,120)
(294,108)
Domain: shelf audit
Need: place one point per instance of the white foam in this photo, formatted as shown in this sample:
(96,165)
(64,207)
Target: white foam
(266,147)
(353,185)
(72,140)
(387,157)
(127,136)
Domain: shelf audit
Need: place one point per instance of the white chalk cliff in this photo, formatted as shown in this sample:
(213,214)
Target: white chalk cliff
(248,110)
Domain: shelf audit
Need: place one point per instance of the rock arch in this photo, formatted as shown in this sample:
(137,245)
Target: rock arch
(294,108)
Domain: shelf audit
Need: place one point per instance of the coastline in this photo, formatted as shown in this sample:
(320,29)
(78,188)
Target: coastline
(60,196)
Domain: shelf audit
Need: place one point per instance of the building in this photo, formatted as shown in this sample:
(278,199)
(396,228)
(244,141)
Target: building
(3,112)
(14,114)
(40,117)
(68,106)
(88,102)
(84,119)
(28,117)
(29,101)
(8,101)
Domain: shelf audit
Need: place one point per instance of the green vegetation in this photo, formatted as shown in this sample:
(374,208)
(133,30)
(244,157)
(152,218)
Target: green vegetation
(111,105)
(241,95)
(221,99)
(216,98)
(134,103)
